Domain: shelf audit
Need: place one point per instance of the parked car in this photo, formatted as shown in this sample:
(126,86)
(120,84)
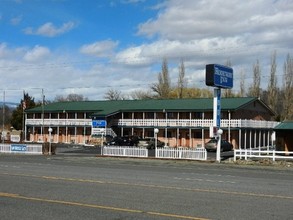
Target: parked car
(150,143)
(123,141)
(118,141)
(211,145)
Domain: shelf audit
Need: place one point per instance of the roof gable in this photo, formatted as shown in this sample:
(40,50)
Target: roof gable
(286,125)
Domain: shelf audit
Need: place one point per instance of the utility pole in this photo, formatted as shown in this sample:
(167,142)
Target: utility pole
(42,129)
(3,109)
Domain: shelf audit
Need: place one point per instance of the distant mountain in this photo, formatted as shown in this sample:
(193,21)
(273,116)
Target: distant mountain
(10,104)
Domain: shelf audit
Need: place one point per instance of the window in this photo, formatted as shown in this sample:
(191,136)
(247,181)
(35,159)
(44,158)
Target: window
(150,115)
(169,134)
(127,115)
(197,134)
(198,115)
(54,115)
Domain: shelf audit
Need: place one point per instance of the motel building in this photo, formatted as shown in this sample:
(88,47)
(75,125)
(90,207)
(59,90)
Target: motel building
(246,122)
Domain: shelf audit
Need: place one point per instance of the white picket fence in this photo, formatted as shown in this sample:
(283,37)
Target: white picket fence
(182,153)
(258,153)
(21,148)
(124,151)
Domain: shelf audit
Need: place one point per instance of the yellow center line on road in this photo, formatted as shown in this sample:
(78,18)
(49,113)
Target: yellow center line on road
(169,215)
(156,186)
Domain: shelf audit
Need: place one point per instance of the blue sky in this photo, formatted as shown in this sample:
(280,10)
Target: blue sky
(90,46)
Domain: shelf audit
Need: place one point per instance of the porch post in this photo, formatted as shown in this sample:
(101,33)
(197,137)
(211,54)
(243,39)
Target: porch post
(178,134)
(268,140)
(132,129)
(25,128)
(240,138)
(84,129)
(229,126)
(75,130)
(259,139)
(190,132)
(202,131)
(250,139)
(254,139)
(58,127)
(264,138)
(166,129)
(122,125)
(190,138)
(245,138)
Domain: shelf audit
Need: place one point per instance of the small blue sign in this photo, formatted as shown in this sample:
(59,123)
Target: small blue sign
(99,123)
(18,147)
(219,76)
(218,108)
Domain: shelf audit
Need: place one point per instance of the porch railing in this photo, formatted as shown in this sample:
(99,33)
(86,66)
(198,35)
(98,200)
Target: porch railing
(225,123)
(58,122)
(181,123)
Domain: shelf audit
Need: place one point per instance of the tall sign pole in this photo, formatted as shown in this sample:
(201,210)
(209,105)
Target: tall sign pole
(219,77)
(3,117)
(217,119)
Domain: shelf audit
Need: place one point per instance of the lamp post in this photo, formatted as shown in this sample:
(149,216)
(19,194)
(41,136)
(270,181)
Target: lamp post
(219,133)
(50,131)
(156,131)
(66,129)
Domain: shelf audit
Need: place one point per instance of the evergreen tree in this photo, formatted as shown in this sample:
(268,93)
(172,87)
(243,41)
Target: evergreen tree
(17,118)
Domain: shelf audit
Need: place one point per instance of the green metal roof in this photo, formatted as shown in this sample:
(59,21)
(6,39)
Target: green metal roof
(286,125)
(106,107)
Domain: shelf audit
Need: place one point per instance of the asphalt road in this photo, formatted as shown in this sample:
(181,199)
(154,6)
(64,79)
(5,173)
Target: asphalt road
(71,186)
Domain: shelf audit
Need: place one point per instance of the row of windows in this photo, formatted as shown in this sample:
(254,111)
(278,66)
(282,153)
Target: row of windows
(66,115)
(127,115)
(62,131)
(170,115)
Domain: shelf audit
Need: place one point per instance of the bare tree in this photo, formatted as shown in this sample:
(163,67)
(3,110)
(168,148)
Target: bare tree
(288,89)
(181,80)
(70,98)
(228,92)
(162,88)
(140,94)
(255,90)
(113,94)
(272,87)
(242,84)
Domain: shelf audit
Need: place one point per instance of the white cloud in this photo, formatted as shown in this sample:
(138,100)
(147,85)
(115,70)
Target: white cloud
(38,53)
(186,20)
(3,50)
(50,30)
(16,20)
(132,1)
(147,54)
(100,49)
